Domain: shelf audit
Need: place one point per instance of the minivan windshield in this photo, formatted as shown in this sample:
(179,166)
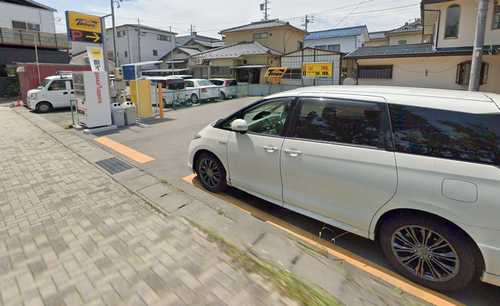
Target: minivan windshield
(45,82)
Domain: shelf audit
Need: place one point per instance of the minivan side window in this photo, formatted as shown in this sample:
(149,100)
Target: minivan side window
(266,118)
(446,134)
(340,121)
(58,85)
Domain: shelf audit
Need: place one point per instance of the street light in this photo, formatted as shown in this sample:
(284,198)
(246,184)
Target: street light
(115,53)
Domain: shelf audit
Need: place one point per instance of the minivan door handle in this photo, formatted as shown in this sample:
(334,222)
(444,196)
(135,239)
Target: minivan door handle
(270,149)
(293,153)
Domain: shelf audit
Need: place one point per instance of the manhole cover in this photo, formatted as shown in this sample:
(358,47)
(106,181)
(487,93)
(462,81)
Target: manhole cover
(113,165)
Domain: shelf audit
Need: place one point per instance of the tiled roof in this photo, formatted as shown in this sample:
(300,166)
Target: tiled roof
(412,50)
(189,51)
(181,40)
(260,25)
(409,27)
(339,32)
(236,50)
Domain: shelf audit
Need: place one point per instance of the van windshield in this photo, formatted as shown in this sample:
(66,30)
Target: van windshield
(45,82)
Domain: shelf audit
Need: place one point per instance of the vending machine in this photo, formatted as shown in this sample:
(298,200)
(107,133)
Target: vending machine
(92,96)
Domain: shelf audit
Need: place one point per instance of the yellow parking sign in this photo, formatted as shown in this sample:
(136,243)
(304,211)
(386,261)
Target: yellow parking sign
(83,27)
(317,70)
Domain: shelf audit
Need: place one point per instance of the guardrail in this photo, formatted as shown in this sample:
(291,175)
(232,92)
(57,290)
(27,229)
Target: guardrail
(30,39)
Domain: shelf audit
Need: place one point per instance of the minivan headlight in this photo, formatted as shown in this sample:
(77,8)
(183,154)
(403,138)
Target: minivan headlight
(33,96)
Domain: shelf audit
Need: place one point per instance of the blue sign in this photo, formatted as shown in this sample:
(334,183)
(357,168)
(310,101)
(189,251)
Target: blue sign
(129,72)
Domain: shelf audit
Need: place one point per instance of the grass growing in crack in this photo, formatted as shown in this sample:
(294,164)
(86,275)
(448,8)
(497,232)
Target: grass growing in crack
(286,282)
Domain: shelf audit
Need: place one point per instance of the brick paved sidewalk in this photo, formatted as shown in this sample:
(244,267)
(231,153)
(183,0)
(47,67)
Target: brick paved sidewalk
(70,235)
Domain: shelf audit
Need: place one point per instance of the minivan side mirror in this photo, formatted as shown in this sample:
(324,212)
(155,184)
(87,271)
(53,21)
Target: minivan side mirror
(239,125)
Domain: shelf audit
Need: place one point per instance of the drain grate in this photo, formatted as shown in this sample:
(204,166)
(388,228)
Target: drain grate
(113,165)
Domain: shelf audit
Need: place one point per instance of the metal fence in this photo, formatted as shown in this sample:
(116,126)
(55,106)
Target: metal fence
(183,97)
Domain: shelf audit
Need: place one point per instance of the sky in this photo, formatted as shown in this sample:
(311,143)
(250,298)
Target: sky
(209,17)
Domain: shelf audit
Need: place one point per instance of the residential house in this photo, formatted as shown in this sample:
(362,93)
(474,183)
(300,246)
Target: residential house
(27,29)
(445,62)
(151,45)
(198,42)
(342,40)
(249,50)
(177,59)
(409,33)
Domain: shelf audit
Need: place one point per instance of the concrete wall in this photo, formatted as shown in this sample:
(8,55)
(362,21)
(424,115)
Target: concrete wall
(129,43)
(411,38)
(467,25)
(347,44)
(432,72)
(10,12)
(283,39)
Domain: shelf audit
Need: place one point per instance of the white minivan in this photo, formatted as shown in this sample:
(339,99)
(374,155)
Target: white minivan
(51,94)
(417,170)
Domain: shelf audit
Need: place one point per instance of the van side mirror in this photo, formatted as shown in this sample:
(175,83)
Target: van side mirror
(239,125)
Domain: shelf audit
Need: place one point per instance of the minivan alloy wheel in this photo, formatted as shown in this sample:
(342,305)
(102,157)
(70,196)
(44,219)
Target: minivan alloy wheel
(425,253)
(210,172)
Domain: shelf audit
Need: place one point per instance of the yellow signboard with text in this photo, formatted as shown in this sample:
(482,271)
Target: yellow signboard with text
(317,70)
(83,27)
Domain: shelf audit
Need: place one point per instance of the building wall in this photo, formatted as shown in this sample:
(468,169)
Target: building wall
(376,43)
(283,39)
(432,72)
(347,44)
(129,43)
(16,12)
(467,25)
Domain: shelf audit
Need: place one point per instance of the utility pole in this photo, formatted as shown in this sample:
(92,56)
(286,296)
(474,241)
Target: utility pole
(477,54)
(139,39)
(115,52)
(265,8)
(191,30)
(307,20)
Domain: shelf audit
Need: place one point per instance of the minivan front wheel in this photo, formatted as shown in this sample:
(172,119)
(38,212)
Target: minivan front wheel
(211,173)
(43,107)
(429,251)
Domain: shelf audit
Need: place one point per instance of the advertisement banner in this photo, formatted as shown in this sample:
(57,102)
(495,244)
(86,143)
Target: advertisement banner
(96,58)
(318,70)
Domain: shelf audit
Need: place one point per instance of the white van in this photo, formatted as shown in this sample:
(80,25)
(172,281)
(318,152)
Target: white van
(416,169)
(51,94)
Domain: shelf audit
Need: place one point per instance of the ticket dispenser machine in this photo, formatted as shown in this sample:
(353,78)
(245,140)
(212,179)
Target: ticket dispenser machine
(92,97)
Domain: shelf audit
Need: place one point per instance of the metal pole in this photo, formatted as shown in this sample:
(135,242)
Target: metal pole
(115,52)
(36,60)
(104,48)
(477,54)
(139,39)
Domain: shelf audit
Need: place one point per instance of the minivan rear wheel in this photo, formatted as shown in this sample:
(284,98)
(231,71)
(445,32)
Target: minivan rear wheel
(429,251)
(211,173)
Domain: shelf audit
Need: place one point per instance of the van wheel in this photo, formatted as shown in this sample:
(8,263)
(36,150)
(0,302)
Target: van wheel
(211,172)
(43,107)
(194,99)
(429,251)
(222,95)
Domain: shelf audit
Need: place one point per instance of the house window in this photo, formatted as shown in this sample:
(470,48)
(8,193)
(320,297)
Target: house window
(155,52)
(335,47)
(119,34)
(163,37)
(300,45)
(125,54)
(262,35)
(463,73)
(25,26)
(452,21)
(496,16)
(402,42)
(375,72)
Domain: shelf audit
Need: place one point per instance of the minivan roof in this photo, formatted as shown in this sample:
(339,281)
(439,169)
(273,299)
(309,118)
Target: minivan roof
(453,100)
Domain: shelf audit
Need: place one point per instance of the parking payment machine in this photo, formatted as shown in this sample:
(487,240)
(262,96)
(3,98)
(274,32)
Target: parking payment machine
(92,97)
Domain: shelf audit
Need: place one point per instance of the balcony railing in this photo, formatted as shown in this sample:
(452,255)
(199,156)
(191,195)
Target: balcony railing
(32,39)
